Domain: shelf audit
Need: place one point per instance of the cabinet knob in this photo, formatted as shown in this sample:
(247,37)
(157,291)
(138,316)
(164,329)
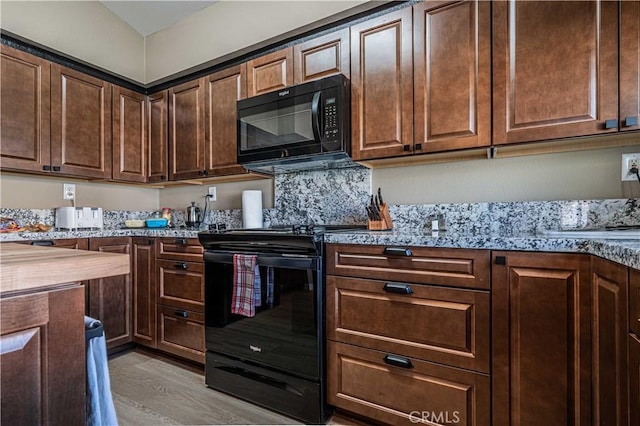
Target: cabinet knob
(46,168)
(181,241)
(397,251)
(397,288)
(418,147)
(205,172)
(181,265)
(406,147)
(630,121)
(611,124)
(181,313)
(56,168)
(163,177)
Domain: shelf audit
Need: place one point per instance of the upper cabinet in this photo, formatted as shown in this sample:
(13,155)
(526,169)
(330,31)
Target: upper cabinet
(24,111)
(555,69)
(321,57)
(223,90)
(270,72)
(630,65)
(80,123)
(130,148)
(157,136)
(186,130)
(452,75)
(382,86)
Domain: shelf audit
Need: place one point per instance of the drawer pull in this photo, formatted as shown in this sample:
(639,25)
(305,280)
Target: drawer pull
(47,243)
(182,314)
(397,251)
(398,361)
(397,288)
(181,241)
(181,265)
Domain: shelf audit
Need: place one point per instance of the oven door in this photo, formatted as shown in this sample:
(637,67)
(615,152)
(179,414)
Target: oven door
(286,330)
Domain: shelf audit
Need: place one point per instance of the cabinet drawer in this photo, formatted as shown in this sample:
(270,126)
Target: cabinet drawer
(449,267)
(181,332)
(361,381)
(181,284)
(186,249)
(444,325)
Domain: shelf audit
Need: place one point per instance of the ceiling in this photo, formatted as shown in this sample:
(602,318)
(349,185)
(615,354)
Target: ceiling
(148,17)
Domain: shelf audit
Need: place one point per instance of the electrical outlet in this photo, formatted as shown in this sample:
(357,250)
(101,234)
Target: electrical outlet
(69,191)
(212,193)
(629,161)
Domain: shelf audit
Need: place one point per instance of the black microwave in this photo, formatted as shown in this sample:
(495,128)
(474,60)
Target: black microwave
(300,127)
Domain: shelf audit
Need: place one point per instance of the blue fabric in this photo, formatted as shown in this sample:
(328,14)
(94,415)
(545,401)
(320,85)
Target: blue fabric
(257,288)
(100,409)
(270,286)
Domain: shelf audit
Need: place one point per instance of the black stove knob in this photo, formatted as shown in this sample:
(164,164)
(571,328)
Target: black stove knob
(310,229)
(222,227)
(297,229)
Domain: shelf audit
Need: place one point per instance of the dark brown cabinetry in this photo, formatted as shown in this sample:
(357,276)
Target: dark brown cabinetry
(555,69)
(223,90)
(541,339)
(42,362)
(634,301)
(634,379)
(270,72)
(609,335)
(629,65)
(25,142)
(180,274)
(80,124)
(157,136)
(143,272)
(321,57)
(130,149)
(382,86)
(452,75)
(187,130)
(110,298)
(416,319)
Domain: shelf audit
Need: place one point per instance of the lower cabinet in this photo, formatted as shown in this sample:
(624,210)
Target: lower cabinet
(180,297)
(145,312)
(541,339)
(42,358)
(634,379)
(110,298)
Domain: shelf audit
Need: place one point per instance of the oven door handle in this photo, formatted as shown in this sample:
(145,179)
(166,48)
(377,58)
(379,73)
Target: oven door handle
(302,262)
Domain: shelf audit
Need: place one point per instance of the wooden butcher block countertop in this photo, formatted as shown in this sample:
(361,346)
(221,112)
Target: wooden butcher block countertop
(25,267)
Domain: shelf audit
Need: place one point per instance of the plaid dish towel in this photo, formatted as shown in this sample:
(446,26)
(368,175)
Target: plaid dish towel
(244,276)
(270,286)
(257,288)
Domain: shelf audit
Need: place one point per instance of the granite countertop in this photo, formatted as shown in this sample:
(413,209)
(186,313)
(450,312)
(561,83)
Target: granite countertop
(626,252)
(25,267)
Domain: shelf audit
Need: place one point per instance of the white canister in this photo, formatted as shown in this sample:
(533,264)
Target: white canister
(251,209)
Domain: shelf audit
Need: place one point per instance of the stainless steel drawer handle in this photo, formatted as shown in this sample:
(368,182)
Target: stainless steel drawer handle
(397,288)
(397,361)
(182,314)
(181,265)
(397,251)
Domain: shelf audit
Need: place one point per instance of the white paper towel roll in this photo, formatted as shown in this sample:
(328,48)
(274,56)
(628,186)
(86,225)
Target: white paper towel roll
(252,209)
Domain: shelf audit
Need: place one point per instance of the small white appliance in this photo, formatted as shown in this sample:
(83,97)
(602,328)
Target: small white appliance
(79,218)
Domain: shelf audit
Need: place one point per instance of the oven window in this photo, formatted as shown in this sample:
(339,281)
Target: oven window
(283,332)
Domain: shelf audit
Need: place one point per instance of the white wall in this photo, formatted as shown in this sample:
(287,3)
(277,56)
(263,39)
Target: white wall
(85,30)
(228,26)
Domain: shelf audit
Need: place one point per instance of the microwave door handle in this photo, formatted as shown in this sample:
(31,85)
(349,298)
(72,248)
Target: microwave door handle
(315,115)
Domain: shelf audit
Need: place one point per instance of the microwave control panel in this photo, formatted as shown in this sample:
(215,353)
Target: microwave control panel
(330,120)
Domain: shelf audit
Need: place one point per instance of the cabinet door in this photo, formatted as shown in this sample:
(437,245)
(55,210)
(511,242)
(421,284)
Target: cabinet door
(157,135)
(609,334)
(634,301)
(224,89)
(129,136)
(321,57)
(555,68)
(382,86)
(541,340)
(270,72)
(186,130)
(24,111)
(110,298)
(80,124)
(634,379)
(145,293)
(452,75)
(629,65)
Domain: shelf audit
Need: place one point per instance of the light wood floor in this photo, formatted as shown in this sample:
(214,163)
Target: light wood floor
(149,389)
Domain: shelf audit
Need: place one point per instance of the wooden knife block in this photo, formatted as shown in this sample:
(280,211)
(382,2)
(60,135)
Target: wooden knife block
(385,223)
